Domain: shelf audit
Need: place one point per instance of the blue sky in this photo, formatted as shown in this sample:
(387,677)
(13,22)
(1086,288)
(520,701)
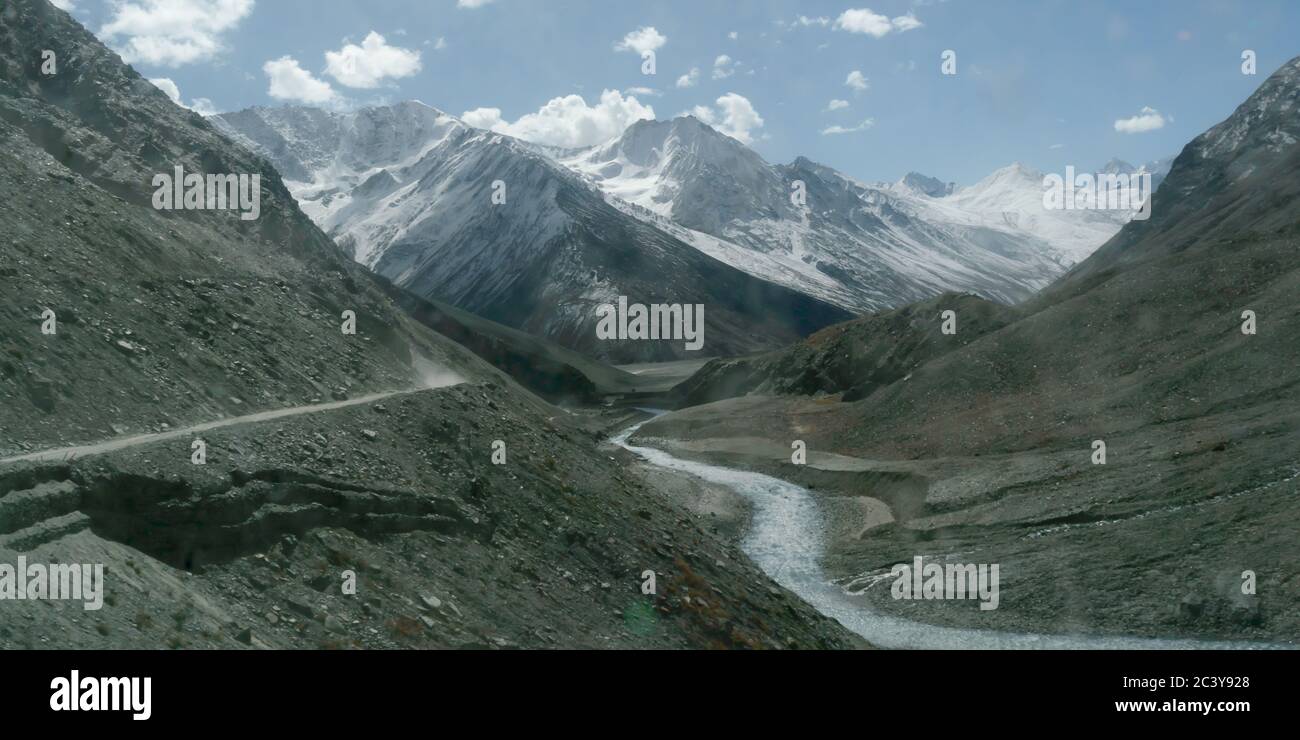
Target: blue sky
(1043,82)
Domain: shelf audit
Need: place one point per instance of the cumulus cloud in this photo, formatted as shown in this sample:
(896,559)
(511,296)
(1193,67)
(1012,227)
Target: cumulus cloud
(289,81)
(644,39)
(1147,119)
(837,104)
(172,32)
(723,67)
(486,118)
(733,35)
(832,130)
(567,121)
(68,5)
(648,92)
(368,65)
(202,106)
(690,78)
(168,86)
(733,115)
(863,20)
(472,3)
(857,81)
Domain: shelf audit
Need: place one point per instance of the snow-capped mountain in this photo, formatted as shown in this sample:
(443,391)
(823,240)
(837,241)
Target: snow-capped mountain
(931,186)
(494,226)
(865,247)
(1156,168)
(412,192)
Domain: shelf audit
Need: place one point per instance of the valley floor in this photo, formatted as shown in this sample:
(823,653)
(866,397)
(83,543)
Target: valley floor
(1157,548)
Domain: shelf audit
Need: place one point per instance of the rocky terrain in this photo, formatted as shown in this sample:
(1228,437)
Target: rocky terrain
(161,317)
(544,367)
(986,452)
(328,454)
(852,359)
(447,548)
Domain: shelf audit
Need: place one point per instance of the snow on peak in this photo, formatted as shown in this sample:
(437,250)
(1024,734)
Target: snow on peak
(409,173)
(1268,120)
(926,185)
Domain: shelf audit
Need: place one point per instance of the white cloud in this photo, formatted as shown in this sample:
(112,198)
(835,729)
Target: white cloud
(472,3)
(723,67)
(567,121)
(440,43)
(1056,146)
(837,104)
(202,106)
(1148,119)
(907,22)
(168,86)
(485,118)
(863,20)
(368,65)
(690,78)
(806,21)
(832,130)
(289,81)
(857,81)
(68,5)
(172,32)
(644,39)
(733,115)
(733,35)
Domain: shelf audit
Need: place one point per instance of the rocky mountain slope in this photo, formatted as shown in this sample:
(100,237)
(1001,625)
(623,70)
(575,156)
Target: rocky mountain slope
(491,225)
(205,327)
(160,317)
(853,359)
(446,549)
(1142,348)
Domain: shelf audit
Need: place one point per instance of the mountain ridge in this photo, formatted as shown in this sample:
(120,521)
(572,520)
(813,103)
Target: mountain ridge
(492,225)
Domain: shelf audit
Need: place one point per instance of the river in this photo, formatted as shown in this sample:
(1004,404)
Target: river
(786,539)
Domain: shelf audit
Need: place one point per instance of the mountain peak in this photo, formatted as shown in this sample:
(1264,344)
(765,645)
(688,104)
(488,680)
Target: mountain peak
(689,120)
(1267,118)
(1117,166)
(1236,178)
(1012,172)
(931,186)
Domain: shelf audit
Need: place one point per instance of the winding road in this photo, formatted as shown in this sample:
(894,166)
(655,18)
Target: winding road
(432,376)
